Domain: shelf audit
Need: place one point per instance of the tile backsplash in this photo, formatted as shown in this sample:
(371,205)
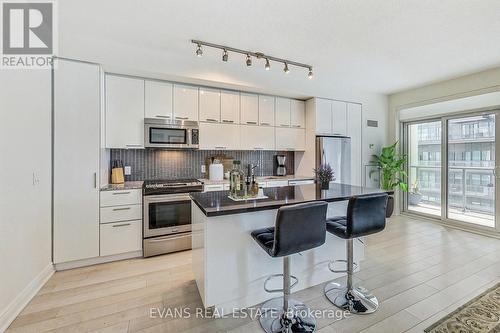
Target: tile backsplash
(175,164)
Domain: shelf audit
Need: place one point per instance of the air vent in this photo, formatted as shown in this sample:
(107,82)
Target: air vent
(372,123)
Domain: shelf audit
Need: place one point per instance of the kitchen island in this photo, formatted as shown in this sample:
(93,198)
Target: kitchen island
(229,266)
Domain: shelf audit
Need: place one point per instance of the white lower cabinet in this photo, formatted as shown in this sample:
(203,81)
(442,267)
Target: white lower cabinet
(290,138)
(213,187)
(121,197)
(121,237)
(277,183)
(219,136)
(121,213)
(257,137)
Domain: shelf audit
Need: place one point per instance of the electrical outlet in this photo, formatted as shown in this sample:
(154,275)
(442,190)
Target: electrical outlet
(128,170)
(203,168)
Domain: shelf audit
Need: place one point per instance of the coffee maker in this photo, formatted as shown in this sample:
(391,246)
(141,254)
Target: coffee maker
(279,165)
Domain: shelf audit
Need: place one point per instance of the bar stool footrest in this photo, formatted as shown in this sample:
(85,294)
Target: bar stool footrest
(292,277)
(331,263)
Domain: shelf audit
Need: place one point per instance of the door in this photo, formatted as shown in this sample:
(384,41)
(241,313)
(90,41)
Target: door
(209,105)
(290,138)
(283,112)
(76,160)
(297,114)
(158,99)
(230,107)
(257,137)
(266,110)
(185,102)
(471,169)
(249,109)
(323,116)
(124,112)
(339,118)
(219,136)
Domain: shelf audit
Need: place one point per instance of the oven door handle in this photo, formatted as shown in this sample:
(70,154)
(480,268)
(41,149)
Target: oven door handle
(165,198)
(162,239)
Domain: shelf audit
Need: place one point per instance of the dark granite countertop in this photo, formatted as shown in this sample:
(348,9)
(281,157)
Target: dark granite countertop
(217,203)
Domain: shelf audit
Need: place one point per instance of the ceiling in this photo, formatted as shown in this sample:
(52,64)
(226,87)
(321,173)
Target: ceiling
(378,46)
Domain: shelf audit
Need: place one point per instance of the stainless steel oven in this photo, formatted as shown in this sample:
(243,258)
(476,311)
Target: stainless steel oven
(166,133)
(167,215)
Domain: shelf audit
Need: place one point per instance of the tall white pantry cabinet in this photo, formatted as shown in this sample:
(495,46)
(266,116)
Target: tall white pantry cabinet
(76,127)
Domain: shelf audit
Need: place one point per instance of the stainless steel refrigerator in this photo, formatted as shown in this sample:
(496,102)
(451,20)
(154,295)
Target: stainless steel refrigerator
(336,151)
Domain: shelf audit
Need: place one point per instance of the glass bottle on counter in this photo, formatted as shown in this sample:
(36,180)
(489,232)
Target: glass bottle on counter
(237,181)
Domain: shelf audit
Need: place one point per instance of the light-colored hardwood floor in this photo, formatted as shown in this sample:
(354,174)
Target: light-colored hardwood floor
(419,271)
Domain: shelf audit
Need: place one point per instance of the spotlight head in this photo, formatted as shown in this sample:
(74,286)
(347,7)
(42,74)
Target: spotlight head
(310,75)
(224,56)
(199,51)
(249,60)
(268,66)
(286,70)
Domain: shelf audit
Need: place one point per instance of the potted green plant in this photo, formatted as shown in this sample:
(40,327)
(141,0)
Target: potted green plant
(324,175)
(414,196)
(392,173)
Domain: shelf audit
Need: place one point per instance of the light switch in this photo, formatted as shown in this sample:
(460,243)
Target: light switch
(203,168)
(128,170)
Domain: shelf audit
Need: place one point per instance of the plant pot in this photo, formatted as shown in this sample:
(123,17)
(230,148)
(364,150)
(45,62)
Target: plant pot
(325,185)
(390,206)
(414,198)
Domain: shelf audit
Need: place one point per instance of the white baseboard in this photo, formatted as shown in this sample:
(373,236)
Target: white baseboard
(97,260)
(17,305)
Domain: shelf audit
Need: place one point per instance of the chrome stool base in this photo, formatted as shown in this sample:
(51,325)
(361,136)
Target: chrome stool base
(297,319)
(358,301)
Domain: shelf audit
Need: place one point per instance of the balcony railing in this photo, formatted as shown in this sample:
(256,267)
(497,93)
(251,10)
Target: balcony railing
(462,196)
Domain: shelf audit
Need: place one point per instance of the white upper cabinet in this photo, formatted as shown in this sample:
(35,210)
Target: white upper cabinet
(124,112)
(185,102)
(290,138)
(323,116)
(249,109)
(158,99)
(230,106)
(354,131)
(298,114)
(210,105)
(215,136)
(266,110)
(283,106)
(257,137)
(339,118)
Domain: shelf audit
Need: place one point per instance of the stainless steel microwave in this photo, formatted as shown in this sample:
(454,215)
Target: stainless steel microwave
(165,133)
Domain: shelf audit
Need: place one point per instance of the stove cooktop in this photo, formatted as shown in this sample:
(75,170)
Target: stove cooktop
(168,186)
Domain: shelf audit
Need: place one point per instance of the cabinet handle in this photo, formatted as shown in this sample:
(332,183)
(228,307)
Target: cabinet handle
(183,118)
(297,126)
(118,193)
(133,145)
(290,149)
(258,148)
(95,179)
(221,147)
(252,122)
(120,225)
(227,121)
(124,208)
(212,120)
(160,116)
(337,134)
(265,124)
(283,125)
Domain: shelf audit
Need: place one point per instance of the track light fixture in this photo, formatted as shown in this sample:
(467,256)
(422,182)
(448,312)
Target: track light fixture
(199,51)
(286,70)
(249,60)
(250,54)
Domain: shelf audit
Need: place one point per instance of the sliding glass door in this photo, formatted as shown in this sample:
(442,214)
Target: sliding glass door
(471,169)
(452,168)
(424,167)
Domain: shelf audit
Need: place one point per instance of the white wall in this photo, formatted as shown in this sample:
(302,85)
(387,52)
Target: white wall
(25,221)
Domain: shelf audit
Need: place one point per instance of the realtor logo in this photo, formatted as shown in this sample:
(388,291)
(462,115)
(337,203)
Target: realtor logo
(27,34)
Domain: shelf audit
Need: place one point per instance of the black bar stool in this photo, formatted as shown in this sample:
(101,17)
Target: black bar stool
(297,228)
(365,216)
